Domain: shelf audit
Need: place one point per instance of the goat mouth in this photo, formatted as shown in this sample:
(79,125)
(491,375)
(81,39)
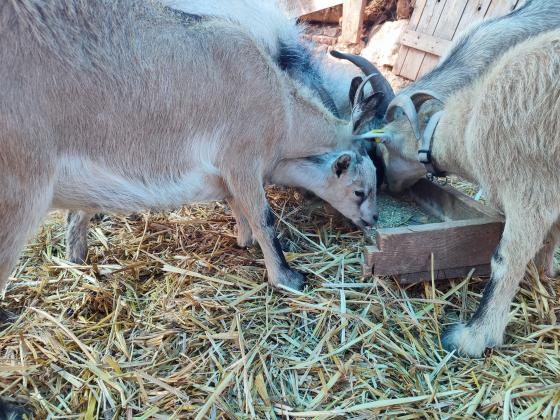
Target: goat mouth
(363,225)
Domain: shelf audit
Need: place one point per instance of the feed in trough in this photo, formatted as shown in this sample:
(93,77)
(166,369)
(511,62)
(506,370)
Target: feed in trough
(401,211)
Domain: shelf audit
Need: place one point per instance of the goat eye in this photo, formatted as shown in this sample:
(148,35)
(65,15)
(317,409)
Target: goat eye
(360,194)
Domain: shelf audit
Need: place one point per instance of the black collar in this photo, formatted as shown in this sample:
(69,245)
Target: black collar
(425,151)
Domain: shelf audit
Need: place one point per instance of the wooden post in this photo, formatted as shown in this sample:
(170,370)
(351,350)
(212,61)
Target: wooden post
(352,20)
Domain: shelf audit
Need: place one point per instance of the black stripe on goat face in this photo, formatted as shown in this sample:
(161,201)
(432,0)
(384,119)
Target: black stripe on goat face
(365,113)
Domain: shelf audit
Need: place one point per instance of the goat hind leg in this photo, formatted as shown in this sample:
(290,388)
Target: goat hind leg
(522,238)
(77,223)
(20,213)
(545,258)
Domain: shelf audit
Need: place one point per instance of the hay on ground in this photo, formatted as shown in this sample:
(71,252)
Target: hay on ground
(172,320)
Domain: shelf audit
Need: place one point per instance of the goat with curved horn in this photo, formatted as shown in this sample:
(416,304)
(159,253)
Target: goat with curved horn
(405,103)
(378,84)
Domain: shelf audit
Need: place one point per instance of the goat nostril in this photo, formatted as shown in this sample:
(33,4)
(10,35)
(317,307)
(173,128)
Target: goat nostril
(375,218)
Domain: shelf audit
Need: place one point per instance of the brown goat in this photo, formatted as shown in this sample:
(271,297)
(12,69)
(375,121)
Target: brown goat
(503,132)
(116,106)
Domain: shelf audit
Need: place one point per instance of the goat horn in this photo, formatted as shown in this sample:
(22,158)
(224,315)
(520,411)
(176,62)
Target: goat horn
(405,103)
(380,84)
(410,105)
(363,84)
(418,98)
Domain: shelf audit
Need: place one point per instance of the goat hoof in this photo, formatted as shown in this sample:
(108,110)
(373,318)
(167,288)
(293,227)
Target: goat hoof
(98,217)
(245,243)
(291,279)
(6,318)
(467,341)
(9,411)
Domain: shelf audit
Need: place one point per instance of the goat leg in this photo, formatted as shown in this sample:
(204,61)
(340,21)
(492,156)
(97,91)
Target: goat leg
(22,207)
(244,233)
(522,238)
(11,411)
(251,201)
(545,258)
(76,236)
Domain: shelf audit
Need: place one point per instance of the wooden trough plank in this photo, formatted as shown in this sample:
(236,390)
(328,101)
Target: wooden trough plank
(297,8)
(451,273)
(449,203)
(424,42)
(462,243)
(352,20)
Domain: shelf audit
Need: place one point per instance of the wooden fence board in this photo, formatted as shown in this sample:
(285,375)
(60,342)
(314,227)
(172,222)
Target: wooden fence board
(412,25)
(445,29)
(424,42)
(430,16)
(501,7)
(474,13)
(434,24)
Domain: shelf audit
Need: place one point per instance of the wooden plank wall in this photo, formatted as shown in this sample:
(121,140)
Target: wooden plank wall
(434,24)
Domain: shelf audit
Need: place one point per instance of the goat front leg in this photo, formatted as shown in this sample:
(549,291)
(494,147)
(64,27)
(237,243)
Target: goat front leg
(20,213)
(250,200)
(545,258)
(523,236)
(244,233)
(10,411)
(77,223)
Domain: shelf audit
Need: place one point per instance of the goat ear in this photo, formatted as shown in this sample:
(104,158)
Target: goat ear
(342,164)
(354,85)
(366,109)
(370,104)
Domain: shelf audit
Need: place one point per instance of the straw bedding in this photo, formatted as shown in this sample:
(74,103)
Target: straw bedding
(172,320)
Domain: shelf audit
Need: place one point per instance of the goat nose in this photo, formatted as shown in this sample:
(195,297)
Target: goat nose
(375,218)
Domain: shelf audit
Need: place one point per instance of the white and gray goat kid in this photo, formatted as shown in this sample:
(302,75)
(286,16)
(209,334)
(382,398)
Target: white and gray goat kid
(346,180)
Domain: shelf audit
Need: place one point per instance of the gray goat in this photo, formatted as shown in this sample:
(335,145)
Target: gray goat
(340,178)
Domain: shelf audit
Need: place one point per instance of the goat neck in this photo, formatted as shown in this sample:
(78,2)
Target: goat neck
(449,152)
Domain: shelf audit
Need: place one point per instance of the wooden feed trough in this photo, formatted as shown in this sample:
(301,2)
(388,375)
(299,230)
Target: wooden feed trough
(465,238)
